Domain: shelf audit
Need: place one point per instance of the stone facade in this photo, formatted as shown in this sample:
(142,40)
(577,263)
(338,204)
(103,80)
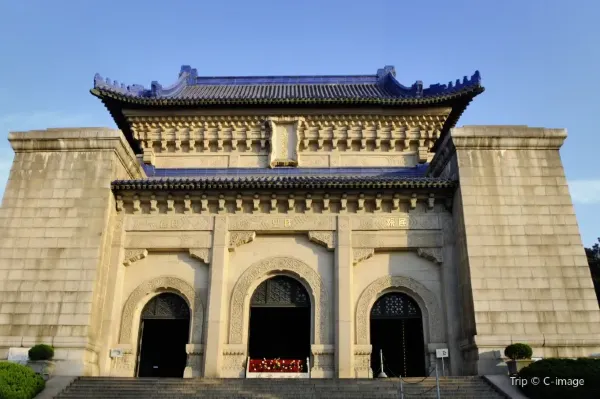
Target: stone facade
(486,243)
(519,256)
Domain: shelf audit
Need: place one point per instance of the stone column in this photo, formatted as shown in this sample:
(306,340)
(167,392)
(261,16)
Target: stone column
(217,301)
(344,304)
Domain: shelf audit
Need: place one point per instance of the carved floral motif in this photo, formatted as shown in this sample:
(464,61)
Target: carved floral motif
(238,238)
(132,255)
(361,254)
(324,238)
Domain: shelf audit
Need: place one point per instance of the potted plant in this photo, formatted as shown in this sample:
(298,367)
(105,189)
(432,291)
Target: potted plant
(40,360)
(519,355)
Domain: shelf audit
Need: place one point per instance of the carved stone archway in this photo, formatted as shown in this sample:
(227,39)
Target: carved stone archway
(155,286)
(259,271)
(430,308)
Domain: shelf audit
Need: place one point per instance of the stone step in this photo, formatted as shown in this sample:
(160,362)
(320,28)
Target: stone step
(109,388)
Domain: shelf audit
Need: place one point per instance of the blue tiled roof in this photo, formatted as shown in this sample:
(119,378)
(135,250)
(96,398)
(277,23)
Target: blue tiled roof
(190,87)
(357,172)
(283,178)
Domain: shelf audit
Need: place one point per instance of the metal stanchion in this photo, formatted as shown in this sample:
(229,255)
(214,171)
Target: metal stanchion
(401,389)
(437,380)
(382,374)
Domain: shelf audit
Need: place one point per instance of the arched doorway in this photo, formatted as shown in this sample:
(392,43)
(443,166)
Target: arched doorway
(280,313)
(397,330)
(164,332)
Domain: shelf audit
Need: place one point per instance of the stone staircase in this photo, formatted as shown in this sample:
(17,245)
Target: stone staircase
(106,387)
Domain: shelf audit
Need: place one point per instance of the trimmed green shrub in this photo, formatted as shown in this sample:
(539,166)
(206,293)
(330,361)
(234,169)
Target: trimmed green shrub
(41,352)
(19,382)
(562,378)
(518,351)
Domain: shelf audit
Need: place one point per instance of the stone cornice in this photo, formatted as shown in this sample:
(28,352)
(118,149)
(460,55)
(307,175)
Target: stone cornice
(80,140)
(507,137)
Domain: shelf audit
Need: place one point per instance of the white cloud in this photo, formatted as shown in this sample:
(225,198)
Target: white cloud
(585,191)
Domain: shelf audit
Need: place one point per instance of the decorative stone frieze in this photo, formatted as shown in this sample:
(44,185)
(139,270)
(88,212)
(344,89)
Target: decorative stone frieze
(166,223)
(135,254)
(234,361)
(218,137)
(192,211)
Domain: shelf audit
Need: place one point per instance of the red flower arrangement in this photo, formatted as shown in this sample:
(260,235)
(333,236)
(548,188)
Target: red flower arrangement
(276,366)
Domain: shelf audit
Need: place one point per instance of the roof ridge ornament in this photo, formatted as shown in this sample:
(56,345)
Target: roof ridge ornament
(105,83)
(386,70)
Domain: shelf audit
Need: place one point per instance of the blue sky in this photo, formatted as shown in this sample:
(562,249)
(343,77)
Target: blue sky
(539,60)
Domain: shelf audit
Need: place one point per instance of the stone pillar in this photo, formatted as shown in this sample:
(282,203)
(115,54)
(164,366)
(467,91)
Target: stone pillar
(217,300)
(55,241)
(521,264)
(344,303)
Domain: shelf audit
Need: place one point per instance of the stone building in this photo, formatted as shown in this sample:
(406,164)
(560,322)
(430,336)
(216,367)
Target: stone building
(328,218)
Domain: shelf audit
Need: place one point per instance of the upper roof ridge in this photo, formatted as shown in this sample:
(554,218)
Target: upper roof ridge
(379,87)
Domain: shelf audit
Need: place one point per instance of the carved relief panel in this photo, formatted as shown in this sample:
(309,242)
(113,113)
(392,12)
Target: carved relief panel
(284,140)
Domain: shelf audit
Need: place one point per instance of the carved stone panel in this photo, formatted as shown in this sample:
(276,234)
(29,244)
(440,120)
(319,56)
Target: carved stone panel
(361,254)
(324,238)
(134,254)
(166,223)
(284,140)
(238,238)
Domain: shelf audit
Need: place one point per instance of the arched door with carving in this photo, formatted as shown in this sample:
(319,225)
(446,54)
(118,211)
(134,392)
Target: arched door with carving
(280,312)
(397,332)
(164,332)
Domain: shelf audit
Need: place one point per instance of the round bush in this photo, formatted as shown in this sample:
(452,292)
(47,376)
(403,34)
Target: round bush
(518,351)
(562,378)
(41,352)
(19,382)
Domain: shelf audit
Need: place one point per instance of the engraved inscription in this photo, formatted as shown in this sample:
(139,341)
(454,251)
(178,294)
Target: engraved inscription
(149,223)
(301,222)
(412,222)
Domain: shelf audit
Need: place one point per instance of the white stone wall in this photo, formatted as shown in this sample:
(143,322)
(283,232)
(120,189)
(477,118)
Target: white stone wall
(522,266)
(54,241)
